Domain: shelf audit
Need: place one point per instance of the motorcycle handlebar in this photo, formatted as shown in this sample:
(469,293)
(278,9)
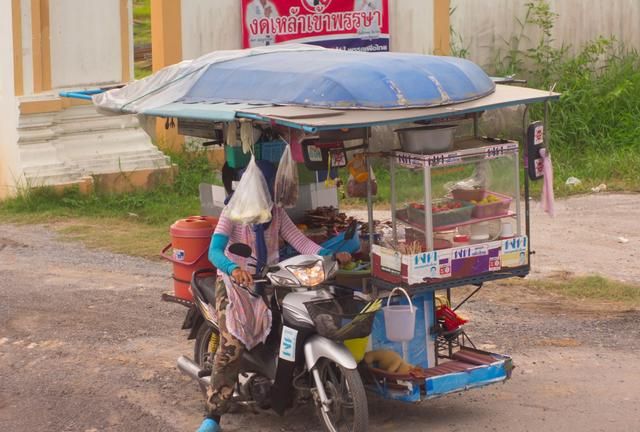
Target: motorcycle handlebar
(249,290)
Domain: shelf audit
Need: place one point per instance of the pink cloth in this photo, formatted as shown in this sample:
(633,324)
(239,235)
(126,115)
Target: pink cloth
(248,317)
(547,200)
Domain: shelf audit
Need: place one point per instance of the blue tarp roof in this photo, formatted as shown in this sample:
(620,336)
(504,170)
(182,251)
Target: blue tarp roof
(342,79)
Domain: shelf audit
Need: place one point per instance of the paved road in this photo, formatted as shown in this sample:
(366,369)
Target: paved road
(86,345)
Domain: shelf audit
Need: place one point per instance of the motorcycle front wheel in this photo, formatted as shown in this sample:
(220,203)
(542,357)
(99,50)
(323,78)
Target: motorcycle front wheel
(207,341)
(348,410)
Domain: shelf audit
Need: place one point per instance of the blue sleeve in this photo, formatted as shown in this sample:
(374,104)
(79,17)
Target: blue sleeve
(325,252)
(217,256)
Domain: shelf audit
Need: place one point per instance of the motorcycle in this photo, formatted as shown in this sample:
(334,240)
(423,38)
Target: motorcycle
(295,364)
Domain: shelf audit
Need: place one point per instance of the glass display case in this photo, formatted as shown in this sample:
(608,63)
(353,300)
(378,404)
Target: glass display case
(461,224)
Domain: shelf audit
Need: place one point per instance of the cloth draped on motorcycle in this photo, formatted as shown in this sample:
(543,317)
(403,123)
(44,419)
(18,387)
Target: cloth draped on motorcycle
(248,318)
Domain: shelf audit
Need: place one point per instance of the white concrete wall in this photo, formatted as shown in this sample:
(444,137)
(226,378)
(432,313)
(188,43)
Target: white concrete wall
(484,24)
(85,42)
(9,162)
(209,25)
(27,46)
(411,23)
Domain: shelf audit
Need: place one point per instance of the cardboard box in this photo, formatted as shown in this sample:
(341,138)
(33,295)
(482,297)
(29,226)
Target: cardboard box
(454,263)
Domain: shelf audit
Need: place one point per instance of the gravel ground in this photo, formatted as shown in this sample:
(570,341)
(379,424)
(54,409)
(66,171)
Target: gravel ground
(87,345)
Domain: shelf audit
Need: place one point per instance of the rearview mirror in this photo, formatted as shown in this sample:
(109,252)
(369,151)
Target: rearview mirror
(241,249)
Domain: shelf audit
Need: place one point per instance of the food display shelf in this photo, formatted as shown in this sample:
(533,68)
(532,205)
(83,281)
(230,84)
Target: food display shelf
(403,217)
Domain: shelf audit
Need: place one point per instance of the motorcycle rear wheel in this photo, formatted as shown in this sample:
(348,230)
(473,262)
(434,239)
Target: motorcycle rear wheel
(348,411)
(204,348)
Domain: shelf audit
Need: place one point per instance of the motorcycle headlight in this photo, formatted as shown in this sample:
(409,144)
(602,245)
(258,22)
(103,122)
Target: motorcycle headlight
(310,274)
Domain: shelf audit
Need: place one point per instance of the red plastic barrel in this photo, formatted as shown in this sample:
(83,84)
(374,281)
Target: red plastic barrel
(190,239)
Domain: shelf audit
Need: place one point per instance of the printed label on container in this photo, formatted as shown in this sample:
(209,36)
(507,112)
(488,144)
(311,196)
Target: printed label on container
(390,260)
(494,263)
(425,265)
(429,265)
(470,251)
(178,254)
(288,344)
(514,252)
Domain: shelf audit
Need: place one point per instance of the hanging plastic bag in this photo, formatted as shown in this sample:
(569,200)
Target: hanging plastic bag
(286,187)
(251,202)
(356,189)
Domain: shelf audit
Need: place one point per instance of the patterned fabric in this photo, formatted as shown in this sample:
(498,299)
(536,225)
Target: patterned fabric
(247,318)
(226,362)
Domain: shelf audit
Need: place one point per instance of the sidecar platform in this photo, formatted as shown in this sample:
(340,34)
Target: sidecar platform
(469,368)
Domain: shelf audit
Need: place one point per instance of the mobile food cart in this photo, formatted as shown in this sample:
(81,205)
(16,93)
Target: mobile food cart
(465,226)
(456,216)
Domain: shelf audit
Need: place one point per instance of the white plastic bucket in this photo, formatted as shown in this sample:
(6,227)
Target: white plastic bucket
(399,320)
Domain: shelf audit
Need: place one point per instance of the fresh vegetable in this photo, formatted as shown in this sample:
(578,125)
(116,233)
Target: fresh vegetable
(489,199)
(355,265)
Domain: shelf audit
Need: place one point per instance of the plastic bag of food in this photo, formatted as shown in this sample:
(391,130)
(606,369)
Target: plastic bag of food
(357,189)
(286,187)
(480,179)
(251,202)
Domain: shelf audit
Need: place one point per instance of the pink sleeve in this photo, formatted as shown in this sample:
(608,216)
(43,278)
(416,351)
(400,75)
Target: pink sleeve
(224,226)
(292,235)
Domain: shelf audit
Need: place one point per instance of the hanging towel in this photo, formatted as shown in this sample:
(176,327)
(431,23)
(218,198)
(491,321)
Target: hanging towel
(546,198)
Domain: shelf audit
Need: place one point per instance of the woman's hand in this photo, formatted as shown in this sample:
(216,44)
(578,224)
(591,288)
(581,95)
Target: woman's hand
(242,276)
(343,257)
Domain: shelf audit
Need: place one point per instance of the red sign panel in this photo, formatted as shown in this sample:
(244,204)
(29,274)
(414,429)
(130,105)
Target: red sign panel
(360,25)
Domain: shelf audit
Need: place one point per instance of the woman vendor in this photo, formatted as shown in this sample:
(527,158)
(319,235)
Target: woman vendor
(244,321)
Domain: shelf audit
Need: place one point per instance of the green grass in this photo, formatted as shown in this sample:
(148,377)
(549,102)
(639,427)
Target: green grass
(590,288)
(135,220)
(142,22)
(142,34)
(594,127)
(595,132)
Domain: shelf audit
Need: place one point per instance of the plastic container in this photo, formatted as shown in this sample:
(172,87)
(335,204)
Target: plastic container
(190,240)
(427,139)
(399,320)
(469,194)
(272,151)
(236,158)
(450,217)
(461,240)
(492,209)
(506,231)
(357,347)
(483,210)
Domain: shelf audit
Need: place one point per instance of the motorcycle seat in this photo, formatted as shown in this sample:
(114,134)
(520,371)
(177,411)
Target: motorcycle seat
(208,287)
(203,284)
